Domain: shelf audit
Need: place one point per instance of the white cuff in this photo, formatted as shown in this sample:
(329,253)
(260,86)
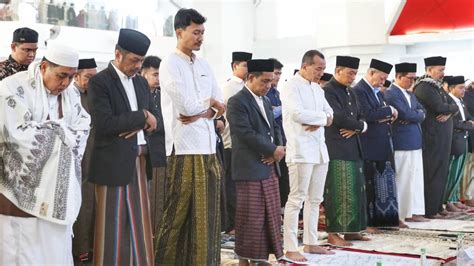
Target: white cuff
(365,127)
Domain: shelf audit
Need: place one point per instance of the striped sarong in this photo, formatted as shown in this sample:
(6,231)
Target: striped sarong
(189,232)
(258,219)
(123,233)
(345,202)
(456,169)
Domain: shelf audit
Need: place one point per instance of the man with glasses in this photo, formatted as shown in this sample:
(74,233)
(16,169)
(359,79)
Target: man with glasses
(407,143)
(24,46)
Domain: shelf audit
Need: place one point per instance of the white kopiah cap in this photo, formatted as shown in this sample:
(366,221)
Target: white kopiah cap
(62,55)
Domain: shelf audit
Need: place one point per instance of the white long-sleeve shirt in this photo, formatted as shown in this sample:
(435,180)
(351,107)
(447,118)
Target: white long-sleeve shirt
(229,89)
(187,85)
(303,103)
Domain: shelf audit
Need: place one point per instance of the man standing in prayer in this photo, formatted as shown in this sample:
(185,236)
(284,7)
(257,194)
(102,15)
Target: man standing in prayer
(156,166)
(274,97)
(305,114)
(344,194)
(437,131)
(24,47)
(189,232)
(256,141)
(462,127)
(467,185)
(407,143)
(377,147)
(229,89)
(122,114)
(42,140)
(83,242)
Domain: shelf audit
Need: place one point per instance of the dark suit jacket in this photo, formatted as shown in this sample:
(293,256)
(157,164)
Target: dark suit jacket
(406,137)
(376,142)
(469,103)
(437,136)
(113,158)
(461,131)
(156,140)
(346,115)
(251,136)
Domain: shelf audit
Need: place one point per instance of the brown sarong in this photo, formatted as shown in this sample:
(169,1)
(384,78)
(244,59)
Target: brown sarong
(258,219)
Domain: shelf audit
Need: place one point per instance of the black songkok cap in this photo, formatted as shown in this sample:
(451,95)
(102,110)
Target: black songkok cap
(241,56)
(405,67)
(387,83)
(456,80)
(133,41)
(381,65)
(25,35)
(295,71)
(87,63)
(435,61)
(347,61)
(326,77)
(445,78)
(260,65)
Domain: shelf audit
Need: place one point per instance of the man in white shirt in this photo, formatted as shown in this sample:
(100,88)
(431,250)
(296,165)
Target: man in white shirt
(229,89)
(42,139)
(189,232)
(123,115)
(305,114)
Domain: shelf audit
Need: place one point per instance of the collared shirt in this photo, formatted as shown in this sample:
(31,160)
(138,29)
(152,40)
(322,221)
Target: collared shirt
(259,101)
(460,106)
(187,85)
(374,90)
(229,89)
(405,93)
(10,67)
(127,83)
(304,104)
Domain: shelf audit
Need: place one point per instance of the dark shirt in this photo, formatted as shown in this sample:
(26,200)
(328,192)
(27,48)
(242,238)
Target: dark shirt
(274,97)
(10,67)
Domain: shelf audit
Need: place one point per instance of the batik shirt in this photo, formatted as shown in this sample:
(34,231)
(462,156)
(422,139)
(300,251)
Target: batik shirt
(10,67)
(40,166)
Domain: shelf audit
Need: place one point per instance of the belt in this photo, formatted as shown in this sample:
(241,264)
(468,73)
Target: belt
(9,209)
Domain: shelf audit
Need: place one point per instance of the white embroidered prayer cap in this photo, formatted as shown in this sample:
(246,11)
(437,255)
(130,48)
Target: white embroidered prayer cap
(62,54)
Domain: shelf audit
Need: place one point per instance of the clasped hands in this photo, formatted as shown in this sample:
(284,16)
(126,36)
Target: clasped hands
(208,114)
(278,154)
(150,126)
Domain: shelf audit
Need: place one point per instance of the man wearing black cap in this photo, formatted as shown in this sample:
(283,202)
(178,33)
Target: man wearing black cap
(123,114)
(407,143)
(462,127)
(467,187)
(189,232)
(229,89)
(256,141)
(24,47)
(437,131)
(87,69)
(345,201)
(83,241)
(324,79)
(377,148)
(150,71)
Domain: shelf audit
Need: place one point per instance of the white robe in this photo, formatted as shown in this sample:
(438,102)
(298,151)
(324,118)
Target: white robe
(41,164)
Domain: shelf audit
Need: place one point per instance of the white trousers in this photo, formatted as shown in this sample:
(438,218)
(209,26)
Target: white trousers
(306,185)
(33,241)
(410,183)
(468,178)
